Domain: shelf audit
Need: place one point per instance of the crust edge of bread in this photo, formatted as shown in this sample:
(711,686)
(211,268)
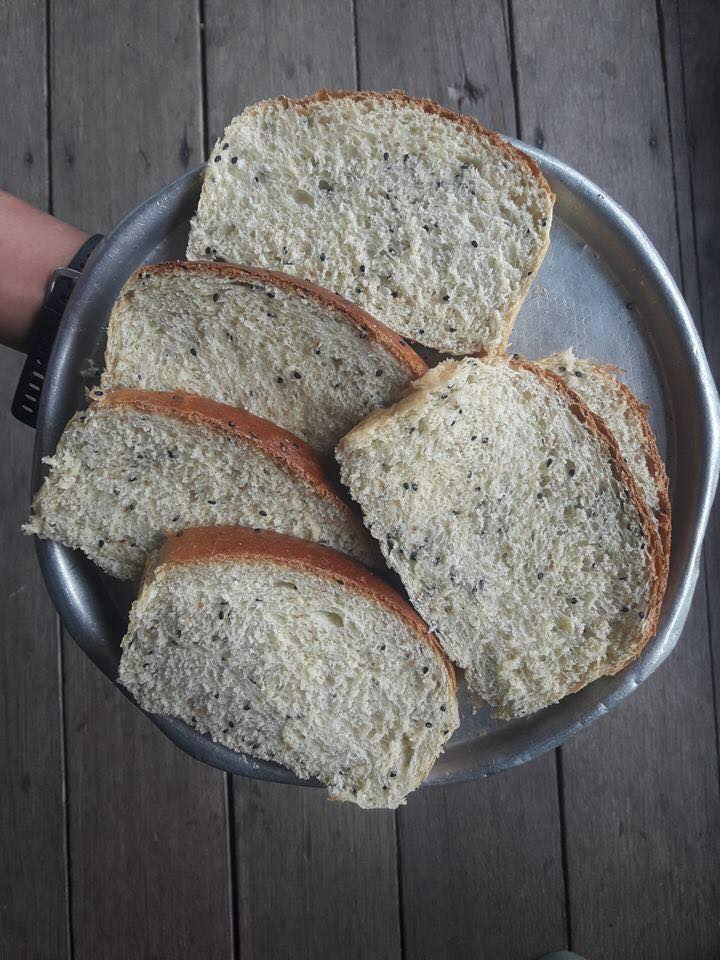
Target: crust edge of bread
(227,544)
(376,330)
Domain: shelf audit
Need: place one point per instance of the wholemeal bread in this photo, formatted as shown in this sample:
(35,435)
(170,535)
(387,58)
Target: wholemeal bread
(611,400)
(276,346)
(135,464)
(291,652)
(433,223)
(519,533)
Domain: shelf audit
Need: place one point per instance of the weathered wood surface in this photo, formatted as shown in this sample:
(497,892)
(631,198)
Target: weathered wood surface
(33,915)
(615,849)
(147,833)
(642,811)
(313,879)
(480,870)
(692,41)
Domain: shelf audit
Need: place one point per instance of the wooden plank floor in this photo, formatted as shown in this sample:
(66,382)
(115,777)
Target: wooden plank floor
(112,843)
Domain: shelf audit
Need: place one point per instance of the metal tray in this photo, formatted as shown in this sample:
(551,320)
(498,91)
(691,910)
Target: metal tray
(602,289)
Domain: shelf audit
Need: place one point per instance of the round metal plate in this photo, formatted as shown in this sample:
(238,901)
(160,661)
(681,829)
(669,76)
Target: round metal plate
(602,289)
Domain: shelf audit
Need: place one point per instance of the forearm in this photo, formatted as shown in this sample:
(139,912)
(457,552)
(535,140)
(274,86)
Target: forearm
(32,245)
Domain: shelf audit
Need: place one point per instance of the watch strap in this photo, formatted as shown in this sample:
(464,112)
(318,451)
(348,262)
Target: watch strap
(26,403)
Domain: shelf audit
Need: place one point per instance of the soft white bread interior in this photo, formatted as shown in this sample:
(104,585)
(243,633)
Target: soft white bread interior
(136,464)
(434,224)
(517,529)
(626,417)
(293,653)
(279,347)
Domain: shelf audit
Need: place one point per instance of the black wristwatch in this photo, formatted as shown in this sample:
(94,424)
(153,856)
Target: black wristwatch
(26,402)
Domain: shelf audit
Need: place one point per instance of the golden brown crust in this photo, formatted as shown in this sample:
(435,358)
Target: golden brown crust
(205,544)
(235,273)
(663,514)
(284,447)
(598,428)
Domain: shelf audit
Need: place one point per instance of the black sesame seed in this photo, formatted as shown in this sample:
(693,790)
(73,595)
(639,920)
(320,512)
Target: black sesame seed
(132,479)
(414,486)
(101,543)
(624,609)
(233,159)
(358,289)
(473,243)
(322,256)
(411,430)
(571,472)
(394,294)
(225,146)
(221,615)
(297,375)
(406,486)
(443,708)
(540,495)
(280,380)
(382,646)
(263,513)
(208,249)
(428,723)
(231,724)
(562,369)
(378,373)
(540,575)
(216,297)
(446,297)
(171,454)
(578,374)
(212,502)
(386,155)
(573,600)
(548,461)
(622,578)
(425,670)
(317,351)
(193,351)
(217,158)
(246,707)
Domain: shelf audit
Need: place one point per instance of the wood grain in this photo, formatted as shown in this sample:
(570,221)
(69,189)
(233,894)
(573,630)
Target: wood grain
(315,879)
(640,787)
(692,41)
(481,867)
(264,48)
(148,859)
(33,914)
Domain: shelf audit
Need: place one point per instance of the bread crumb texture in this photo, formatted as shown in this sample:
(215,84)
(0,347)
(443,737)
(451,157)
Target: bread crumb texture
(278,353)
(514,533)
(294,667)
(121,477)
(432,223)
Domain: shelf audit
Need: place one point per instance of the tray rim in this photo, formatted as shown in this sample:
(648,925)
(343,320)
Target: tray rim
(65,572)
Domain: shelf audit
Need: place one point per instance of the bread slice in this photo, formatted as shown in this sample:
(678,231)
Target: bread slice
(521,536)
(291,652)
(274,345)
(433,223)
(135,464)
(613,402)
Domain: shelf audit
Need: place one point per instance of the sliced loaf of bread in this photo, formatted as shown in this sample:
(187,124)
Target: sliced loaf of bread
(433,223)
(291,652)
(520,534)
(135,464)
(274,345)
(626,417)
